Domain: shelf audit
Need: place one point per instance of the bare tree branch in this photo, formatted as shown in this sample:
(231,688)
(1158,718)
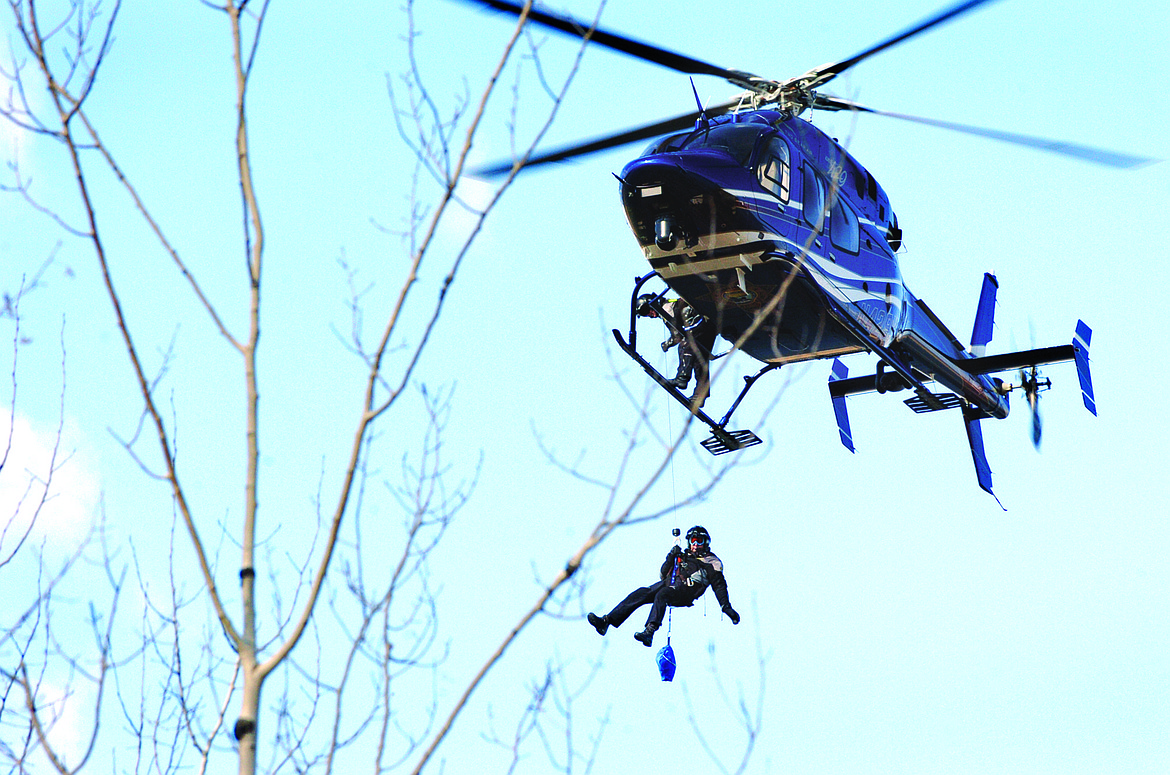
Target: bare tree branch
(387,611)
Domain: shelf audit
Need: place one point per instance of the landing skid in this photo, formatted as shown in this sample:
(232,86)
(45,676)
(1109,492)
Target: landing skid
(722,440)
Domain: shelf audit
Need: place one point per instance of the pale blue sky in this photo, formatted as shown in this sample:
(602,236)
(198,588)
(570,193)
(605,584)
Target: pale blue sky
(911,625)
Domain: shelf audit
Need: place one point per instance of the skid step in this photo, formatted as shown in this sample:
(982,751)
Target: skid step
(729,441)
(947,401)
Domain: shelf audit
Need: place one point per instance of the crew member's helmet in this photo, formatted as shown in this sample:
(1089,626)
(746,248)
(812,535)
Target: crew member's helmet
(643,309)
(698,535)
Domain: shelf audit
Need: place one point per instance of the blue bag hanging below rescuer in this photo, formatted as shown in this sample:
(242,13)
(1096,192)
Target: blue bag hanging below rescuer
(666,662)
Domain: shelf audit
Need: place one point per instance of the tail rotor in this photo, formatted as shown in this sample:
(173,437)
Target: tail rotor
(1032,384)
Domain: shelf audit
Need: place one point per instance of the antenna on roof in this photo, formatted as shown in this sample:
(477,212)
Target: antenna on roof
(701,122)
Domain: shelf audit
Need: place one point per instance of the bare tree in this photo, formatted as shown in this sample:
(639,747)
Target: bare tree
(33,576)
(190,685)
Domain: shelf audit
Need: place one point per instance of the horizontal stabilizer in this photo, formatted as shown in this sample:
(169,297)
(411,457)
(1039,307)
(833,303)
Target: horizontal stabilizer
(991,364)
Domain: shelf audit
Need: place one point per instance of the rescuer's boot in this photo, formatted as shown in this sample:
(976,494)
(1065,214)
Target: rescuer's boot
(686,364)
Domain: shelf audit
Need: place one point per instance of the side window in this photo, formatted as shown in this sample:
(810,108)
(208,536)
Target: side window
(844,231)
(775,169)
(814,197)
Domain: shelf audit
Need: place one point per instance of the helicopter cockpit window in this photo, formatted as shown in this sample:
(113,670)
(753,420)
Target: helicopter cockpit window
(814,197)
(774,170)
(843,228)
(665,144)
(736,139)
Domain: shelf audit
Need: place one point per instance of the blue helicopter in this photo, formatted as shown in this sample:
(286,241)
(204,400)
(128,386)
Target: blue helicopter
(786,246)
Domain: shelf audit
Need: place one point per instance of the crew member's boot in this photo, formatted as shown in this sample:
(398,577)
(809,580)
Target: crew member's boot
(686,364)
(600,623)
(702,390)
(646,636)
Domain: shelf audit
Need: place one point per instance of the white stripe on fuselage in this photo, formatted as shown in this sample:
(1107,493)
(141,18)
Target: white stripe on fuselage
(842,285)
(770,204)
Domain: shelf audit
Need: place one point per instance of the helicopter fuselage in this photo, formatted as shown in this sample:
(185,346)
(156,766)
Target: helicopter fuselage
(788,247)
(770,229)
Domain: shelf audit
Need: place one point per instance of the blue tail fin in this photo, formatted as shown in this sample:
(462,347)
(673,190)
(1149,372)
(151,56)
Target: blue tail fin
(984,316)
(1081,356)
(975,438)
(840,371)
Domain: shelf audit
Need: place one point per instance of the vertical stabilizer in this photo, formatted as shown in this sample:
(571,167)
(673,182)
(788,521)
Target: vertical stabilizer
(841,371)
(984,316)
(972,416)
(1081,356)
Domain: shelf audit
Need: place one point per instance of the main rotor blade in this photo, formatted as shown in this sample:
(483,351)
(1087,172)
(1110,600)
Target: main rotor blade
(1084,152)
(825,73)
(635,48)
(610,141)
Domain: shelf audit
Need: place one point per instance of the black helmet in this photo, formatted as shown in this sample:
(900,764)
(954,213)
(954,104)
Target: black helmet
(700,534)
(643,308)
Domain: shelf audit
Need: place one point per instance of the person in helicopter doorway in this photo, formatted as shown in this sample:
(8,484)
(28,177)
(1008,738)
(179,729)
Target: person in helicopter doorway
(694,343)
(697,568)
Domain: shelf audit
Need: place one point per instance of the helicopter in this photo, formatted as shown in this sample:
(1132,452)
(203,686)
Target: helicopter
(785,244)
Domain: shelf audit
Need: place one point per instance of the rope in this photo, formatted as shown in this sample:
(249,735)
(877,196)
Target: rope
(673,482)
(673,574)
(670,436)
(674,498)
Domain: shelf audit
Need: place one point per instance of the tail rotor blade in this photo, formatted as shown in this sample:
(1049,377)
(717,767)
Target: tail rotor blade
(1031,384)
(1036,427)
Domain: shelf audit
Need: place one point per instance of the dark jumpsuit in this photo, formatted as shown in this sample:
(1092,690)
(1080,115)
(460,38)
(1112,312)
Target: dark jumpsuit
(695,573)
(694,347)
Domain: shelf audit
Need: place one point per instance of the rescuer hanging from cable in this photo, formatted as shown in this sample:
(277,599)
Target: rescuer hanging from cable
(698,568)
